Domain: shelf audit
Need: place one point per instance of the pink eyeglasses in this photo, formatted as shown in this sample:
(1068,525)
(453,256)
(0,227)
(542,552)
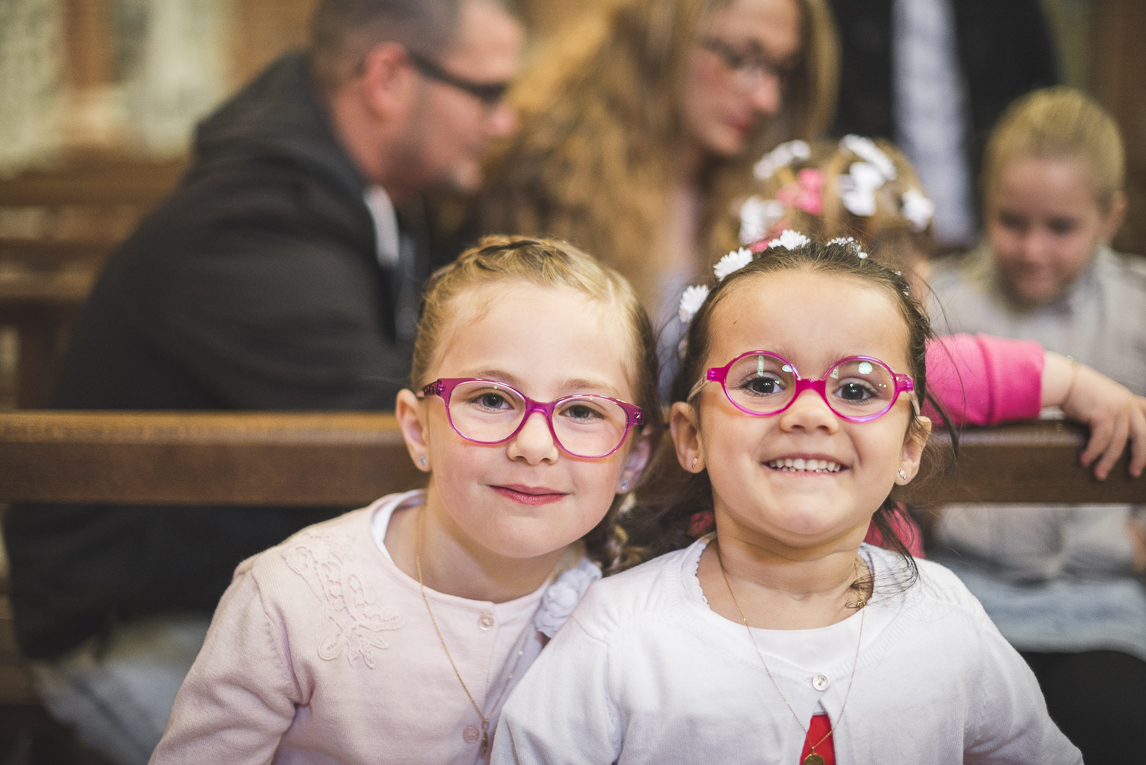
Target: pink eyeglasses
(857,388)
(489,412)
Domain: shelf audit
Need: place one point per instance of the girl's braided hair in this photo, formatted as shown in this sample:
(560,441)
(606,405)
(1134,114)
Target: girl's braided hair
(549,263)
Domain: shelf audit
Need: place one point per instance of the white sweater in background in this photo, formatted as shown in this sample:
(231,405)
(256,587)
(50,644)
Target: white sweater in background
(645,672)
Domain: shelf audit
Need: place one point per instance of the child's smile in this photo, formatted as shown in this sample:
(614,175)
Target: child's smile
(526,496)
(530,495)
(805,464)
(803,477)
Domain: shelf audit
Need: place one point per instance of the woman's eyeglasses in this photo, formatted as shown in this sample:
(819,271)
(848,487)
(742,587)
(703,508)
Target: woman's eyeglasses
(748,71)
(857,389)
(490,412)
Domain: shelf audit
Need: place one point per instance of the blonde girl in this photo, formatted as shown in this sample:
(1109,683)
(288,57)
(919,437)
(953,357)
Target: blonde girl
(782,637)
(395,632)
(1061,581)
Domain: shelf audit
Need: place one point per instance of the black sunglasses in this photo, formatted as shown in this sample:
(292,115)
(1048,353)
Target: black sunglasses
(488,93)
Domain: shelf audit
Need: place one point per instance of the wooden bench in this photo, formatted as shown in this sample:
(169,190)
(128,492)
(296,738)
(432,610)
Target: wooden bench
(301,459)
(350,459)
(56,229)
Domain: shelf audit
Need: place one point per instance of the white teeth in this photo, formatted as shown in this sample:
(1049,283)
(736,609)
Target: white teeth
(799,464)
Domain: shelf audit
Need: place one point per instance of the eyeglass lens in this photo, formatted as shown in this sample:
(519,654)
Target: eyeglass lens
(748,71)
(585,426)
(853,388)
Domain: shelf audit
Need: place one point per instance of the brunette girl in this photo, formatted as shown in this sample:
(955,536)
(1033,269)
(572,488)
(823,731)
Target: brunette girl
(781,636)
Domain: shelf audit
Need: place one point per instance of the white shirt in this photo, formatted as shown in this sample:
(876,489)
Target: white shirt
(645,672)
(385,225)
(931,116)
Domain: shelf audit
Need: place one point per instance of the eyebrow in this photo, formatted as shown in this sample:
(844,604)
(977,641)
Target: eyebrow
(581,384)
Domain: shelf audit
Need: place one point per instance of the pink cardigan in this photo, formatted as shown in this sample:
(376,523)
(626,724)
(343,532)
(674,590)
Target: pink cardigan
(321,651)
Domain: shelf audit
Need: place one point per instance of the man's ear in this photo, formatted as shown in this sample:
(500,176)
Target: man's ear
(411,416)
(635,462)
(912,450)
(685,428)
(388,80)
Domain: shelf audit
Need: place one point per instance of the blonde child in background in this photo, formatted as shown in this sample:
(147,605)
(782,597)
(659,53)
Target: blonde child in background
(1063,582)
(866,189)
(395,632)
(782,636)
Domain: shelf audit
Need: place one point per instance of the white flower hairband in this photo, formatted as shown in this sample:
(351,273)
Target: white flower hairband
(758,216)
(918,209)
(693,297)
(733,261)
(782,156)
(855,245)
(857,188)
(865,149)
(691,301)
(864,178)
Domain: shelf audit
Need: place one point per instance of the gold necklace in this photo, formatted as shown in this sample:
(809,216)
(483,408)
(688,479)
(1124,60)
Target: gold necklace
(812,758)
(512,670)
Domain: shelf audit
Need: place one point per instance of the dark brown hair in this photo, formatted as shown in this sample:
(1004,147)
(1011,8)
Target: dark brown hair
(549,263)
(342,32)
(669,496)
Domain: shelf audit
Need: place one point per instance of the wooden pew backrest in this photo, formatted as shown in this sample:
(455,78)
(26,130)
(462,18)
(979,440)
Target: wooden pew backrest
(300,459)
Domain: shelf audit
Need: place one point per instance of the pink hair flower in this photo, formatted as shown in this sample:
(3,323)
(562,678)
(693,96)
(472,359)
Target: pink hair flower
(805,193)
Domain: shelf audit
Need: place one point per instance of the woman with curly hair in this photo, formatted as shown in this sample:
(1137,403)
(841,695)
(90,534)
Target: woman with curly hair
(641,123)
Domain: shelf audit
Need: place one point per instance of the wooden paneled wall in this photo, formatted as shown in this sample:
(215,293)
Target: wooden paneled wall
(1120,82)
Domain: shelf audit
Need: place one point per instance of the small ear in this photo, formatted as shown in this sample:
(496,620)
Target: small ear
(685,430)
(387,78)
(411,419)
(1112,220)
(913,450)
(635,462)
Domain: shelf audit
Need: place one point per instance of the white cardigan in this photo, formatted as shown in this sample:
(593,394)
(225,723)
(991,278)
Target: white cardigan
(645,672)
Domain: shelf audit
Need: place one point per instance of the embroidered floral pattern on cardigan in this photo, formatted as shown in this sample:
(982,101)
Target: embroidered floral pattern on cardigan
(351,616)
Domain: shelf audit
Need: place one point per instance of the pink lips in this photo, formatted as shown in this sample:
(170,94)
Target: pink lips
(529,495)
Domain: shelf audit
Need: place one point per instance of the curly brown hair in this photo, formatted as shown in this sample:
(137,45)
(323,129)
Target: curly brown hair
(601,123)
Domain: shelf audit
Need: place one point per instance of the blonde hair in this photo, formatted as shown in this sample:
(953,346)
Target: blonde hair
(887,234)
(503,260)
(602,117)
(1059,123)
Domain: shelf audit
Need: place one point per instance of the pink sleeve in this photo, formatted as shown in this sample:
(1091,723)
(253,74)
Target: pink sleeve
(985,380)
(240,695)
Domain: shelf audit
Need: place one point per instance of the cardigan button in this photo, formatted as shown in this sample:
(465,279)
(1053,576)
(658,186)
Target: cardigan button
(471,734)
(485,621)
(821,682)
